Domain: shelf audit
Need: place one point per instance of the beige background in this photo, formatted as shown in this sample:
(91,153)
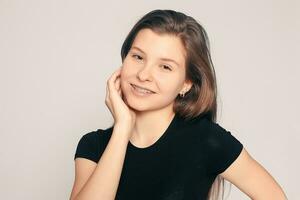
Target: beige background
(55,58)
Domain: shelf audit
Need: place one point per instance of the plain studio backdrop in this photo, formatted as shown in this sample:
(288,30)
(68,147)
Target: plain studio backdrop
(55,58)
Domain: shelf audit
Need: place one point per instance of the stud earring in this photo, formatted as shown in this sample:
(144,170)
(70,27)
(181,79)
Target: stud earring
(182,94)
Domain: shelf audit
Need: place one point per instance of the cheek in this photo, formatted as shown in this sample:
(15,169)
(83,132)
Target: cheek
(168,81)
(127,67)
(125,79)
(127,62)
(166,87)
(124,73)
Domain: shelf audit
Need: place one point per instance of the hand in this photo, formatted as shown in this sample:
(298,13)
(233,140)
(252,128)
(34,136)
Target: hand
(123,116)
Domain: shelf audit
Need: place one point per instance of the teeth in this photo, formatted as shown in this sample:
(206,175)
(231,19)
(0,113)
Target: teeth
(141,90)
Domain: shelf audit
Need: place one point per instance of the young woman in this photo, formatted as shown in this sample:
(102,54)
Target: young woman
(165,143)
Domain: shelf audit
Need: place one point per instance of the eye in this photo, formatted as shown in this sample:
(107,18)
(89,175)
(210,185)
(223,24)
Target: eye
(136,56)
(166,67)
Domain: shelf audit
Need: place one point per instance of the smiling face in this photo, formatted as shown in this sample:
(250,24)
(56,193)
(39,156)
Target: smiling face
(155,62)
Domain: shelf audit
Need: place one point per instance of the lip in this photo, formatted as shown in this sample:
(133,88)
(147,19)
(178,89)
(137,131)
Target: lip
(142,87)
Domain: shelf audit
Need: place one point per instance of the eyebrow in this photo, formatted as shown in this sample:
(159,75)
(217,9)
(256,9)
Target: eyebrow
(165,59)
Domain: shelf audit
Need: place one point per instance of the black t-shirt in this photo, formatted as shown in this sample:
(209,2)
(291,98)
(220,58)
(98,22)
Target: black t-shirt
(181,165)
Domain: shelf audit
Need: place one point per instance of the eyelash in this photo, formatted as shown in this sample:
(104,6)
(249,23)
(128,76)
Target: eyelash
(134,56)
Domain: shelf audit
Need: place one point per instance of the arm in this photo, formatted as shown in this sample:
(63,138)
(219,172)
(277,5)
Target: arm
(100,181)
(251,178)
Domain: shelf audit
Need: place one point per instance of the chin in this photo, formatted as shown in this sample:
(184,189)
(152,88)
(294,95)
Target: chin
(136,104)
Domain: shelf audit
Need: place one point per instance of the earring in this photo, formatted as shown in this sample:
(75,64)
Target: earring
(182,94)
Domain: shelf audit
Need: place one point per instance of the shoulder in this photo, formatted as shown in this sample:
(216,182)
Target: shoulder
(204,128)
(92,144)
(98,136)
(92,134)
(218,145)
(215,136)
(222,147)
(207,128)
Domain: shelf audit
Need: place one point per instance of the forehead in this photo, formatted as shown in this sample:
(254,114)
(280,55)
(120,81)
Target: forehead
(160,45)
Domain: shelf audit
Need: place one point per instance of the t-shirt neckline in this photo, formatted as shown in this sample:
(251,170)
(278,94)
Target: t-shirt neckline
(160,140)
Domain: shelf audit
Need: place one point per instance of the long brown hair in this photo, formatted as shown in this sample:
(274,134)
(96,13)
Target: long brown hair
(201,99)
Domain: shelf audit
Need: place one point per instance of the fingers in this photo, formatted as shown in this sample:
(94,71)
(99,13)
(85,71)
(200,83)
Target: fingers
(109,87)
(107,97)
(118,83)
(113,79)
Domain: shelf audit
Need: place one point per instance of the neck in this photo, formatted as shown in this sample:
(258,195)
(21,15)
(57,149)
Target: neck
(150,126)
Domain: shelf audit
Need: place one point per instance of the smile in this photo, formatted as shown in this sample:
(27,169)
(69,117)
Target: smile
(141,91)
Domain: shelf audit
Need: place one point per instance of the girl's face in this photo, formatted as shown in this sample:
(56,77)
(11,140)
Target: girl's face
(146,66)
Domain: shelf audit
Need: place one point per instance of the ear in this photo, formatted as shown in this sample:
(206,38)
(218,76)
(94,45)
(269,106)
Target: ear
(186,86)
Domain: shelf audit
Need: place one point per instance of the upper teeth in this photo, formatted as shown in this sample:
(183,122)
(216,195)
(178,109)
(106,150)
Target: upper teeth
(141,89)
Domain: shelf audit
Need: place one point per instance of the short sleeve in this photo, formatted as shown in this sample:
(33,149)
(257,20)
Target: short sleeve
(222,148)
(88,147)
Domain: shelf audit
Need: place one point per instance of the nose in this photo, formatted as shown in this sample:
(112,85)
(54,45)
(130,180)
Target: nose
(145,73)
